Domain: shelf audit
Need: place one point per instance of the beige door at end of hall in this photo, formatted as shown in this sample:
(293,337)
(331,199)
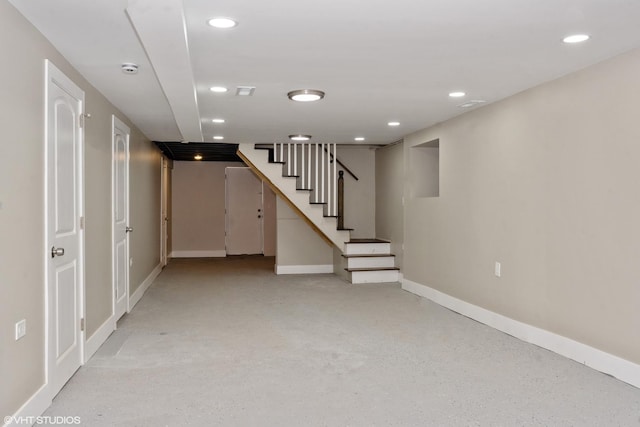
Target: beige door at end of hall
(244,212)
(64,252)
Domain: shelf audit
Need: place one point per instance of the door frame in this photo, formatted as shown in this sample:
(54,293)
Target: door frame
(116,123)
(51,72)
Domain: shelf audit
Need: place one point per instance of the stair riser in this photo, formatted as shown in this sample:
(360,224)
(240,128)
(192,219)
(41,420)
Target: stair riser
(383,276)
(367,248)
(370,262)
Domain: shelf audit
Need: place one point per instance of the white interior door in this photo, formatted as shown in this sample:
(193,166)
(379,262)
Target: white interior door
(64,207)
(120,204)
(244,212)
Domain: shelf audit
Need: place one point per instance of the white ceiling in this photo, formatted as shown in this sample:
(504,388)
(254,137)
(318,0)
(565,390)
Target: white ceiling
(377,60)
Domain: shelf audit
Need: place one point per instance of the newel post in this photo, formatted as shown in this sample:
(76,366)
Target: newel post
(340,200)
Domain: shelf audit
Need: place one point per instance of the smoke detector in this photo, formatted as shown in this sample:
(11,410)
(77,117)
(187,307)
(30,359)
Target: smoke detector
(129,68)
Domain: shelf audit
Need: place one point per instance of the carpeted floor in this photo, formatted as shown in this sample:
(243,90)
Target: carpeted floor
(225,342)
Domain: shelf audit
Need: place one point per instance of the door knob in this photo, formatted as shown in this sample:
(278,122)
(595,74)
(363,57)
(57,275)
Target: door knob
(129,229)
(56,252)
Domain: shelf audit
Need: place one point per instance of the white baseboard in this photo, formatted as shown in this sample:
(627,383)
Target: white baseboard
(98,338)
(304,269)
(34,407)
(137,295)
(198,254)
(621,369)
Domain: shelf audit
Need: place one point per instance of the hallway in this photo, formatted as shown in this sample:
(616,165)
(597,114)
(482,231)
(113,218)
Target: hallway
(226,342)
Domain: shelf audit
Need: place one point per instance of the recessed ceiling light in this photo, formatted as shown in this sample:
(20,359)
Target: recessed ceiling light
(217,120)
(218,89)
(305,95)
(457,94)
(197,157)
(299,137)
(393,123)
(222,22)
(576,38)
(359,138)
(218,137)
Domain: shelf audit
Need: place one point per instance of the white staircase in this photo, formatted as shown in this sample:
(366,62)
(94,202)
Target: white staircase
(306,177)
(370,261)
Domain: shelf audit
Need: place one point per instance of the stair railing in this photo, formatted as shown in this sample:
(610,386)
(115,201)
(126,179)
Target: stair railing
(314,166)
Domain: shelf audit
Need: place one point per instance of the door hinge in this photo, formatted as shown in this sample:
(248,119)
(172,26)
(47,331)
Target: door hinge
(81,223)
(82,324)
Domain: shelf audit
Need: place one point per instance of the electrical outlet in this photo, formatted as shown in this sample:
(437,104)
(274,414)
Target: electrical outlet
(497,269)
(21,329)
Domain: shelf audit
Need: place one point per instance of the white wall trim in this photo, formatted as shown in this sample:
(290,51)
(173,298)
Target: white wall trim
(98,338)
(34,407)
(621,369)
(199,254)
(304,269)
(137,295)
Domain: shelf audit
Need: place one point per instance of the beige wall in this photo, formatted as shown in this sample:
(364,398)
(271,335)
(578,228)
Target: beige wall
(145,186)
(270,221)
(297,243)
(198,210)
(360,196)
(545,182)
(22,207)
(390,178)
(197,206)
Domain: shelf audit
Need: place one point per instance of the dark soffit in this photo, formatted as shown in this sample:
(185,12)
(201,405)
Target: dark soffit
(210,151)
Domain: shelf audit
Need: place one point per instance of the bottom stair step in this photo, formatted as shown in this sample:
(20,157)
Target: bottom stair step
(378,275)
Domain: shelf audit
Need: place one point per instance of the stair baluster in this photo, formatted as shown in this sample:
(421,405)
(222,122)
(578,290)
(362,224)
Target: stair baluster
(341,200)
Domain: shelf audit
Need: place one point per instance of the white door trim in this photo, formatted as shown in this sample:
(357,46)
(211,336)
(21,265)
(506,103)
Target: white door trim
(52,73)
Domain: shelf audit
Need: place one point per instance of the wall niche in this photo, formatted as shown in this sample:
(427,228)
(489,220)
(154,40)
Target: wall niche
(425,169)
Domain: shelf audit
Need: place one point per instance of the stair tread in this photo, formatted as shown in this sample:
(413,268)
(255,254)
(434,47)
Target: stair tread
(317,203)
(330,216)
(304,189)
(368,255)
(346,229)
(350,270)
(368,241)
(278,163)
(291,176)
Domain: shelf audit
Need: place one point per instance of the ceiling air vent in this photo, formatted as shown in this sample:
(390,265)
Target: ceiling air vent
(245,90)
(472,103)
